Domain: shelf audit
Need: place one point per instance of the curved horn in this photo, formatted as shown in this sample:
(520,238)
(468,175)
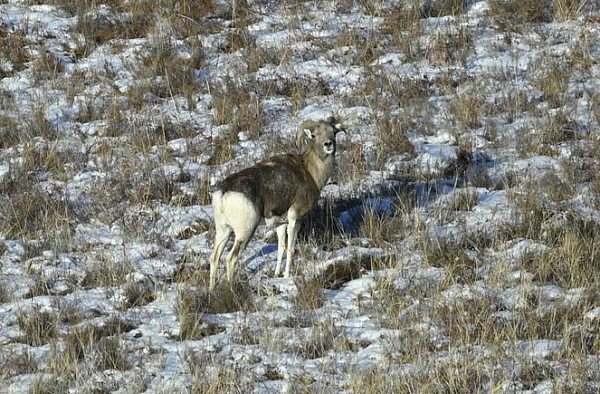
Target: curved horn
(336,125)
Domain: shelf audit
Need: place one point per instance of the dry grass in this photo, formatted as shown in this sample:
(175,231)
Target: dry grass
(530,216)
(391,140)
(238,40)
(463,200)
(5,295)
(8,137)
(467,108)
(574,258)
(553,81)
(52,385)
(110,109)
(403,23)
(555,322)
(234,105)
(37,125)
(379,381)
(297,89)
(309,293)
(38,327)
(68,312)
(213,375)
(321,339)
(365,47)
(109,353)
(202,196)
(511,105)
(138,294)
(160,187)
(13,47)
(45,285)
(382,228)
(451,255)
(193,303)
(258,57)
(47,66)
(565,10)
(170,73)
(451,47)
(529,142)
(48,157)
(580,52)
(389,304)
(136,183)
(352,165)
(442,8)
(99,344)
(467,322)
(99,29)
(512,14)
(560,127)
(144,138)
(106,274)
(190,327)
(459,168)
(336,275)
(245,335)
(13,363)
(223,148)
(386,224)
(472,322)
(32,214)
(192,17)
(537,204)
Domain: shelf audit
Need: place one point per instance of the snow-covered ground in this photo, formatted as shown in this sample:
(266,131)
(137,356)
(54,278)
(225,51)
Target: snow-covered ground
(456,248)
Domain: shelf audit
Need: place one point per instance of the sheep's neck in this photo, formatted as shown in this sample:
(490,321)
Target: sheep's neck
(319,170)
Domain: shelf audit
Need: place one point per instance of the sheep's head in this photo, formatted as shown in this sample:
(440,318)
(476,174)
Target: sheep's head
(321,134)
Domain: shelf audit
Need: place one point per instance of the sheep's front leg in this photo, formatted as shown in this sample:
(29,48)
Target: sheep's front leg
(292,234)
(281,242)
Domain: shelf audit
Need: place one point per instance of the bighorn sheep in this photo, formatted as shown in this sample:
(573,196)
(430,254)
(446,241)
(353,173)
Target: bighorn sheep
(281,190)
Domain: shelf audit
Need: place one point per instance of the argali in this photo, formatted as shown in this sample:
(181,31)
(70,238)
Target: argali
(280,191)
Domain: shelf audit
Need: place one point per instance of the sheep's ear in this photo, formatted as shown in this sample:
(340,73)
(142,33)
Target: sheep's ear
(309,133)
(306,129)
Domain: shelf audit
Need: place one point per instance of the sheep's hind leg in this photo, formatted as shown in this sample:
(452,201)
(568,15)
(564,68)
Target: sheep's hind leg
(243,218)
(223,233)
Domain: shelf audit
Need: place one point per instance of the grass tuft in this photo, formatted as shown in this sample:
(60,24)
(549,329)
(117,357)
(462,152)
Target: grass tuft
(339,273)
(309,293)
(138,294)
(193,303)
(38,327)
(109,353)
(512,14)
(99,343)
(319,342)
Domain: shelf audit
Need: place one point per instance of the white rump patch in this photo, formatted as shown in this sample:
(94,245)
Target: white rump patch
(238,212)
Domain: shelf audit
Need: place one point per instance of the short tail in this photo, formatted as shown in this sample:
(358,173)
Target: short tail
(217,198)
